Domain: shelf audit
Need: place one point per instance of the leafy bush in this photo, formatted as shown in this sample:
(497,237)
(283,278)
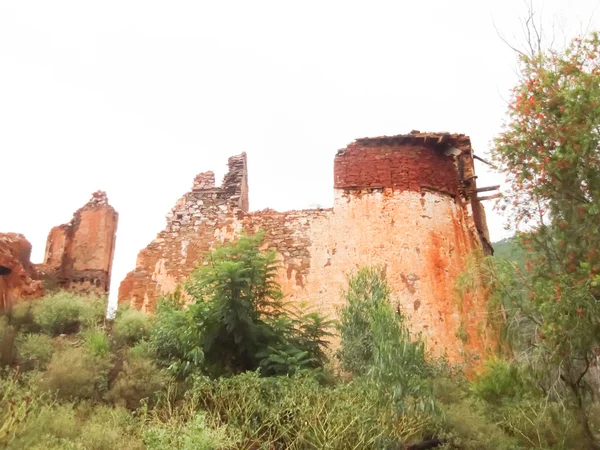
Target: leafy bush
(466,426)
(366,291)
(174,339)
(500,381)
(8,336)
(140,379)
(15,408)
(131,326)
(34,351)
(376,342)
(235,295)
(298,412)
(194,435)
(298,344)
(238,320)
(75,373)
(64,312)
(49,426)
(96,341)
(542,424)
(77,426)
(107,428)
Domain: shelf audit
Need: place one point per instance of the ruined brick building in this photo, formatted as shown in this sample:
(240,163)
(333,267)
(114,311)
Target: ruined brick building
(407,203)
(78,256)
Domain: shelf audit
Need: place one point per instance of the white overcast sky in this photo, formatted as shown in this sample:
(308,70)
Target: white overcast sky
(136,97)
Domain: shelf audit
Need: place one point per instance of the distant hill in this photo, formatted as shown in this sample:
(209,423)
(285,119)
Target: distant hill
(508,249)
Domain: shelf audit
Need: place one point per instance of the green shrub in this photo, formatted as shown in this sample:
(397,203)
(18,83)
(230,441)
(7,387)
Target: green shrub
(75,373)
(194,435)
(467,426)
(298,412)
(65,312)
(140,379)
(131,326)
(500,381)
(93,310)
(21,316)
(542,424)
(240,318)
(77,426)
(50,424)
(16,406)
(8,336)
(449,388)
(376,342)
(34,351)
(174,339)
(367,290)
(107,428)
(96,341)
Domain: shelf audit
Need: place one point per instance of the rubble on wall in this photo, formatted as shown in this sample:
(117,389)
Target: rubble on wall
(79,254)
(405,203)
(19,278)
(201,218)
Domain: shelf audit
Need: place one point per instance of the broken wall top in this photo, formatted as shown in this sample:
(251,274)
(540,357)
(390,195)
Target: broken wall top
(79,254)
(412,162)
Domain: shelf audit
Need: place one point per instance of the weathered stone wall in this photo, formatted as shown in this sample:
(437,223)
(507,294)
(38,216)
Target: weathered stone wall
(79,254)
(400,202)
(201,218)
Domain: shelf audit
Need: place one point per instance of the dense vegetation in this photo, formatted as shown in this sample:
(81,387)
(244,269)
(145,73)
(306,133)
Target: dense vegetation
(240,368)
(549,151)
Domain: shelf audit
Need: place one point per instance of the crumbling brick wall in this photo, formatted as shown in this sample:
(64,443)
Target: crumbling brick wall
(19,278)
(400,163)
(79,254)
(401,203)
(201,218)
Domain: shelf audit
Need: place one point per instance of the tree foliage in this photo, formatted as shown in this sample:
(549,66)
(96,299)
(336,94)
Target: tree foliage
(376,342)
(550,151)
(367,291)
(238,319)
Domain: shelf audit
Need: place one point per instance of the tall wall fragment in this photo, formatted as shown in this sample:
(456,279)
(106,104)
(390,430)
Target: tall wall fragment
(405,203)
(79,254)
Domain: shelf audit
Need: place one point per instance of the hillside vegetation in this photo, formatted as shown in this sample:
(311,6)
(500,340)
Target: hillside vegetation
(239,368)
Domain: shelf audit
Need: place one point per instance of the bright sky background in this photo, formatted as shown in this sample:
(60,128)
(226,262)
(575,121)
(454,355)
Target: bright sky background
(136,97)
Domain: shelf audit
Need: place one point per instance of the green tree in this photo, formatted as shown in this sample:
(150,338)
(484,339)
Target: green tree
(241,321)
(550,151)
(367,291)
(377,344)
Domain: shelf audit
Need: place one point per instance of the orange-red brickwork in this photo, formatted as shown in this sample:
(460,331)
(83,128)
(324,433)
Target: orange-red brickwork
(79,254)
